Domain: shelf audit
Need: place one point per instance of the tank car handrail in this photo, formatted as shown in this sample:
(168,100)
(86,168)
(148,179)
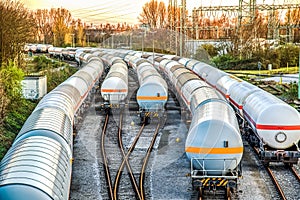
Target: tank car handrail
(204,172)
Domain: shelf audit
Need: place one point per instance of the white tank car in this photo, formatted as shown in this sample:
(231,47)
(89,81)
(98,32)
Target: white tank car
(239,91)
(276,123)
(214,75)
(114,88)
(176,71)
(191,64)
(163,64)
(202,69)
(224,83)
(214,143)
(188,89)
(37,167)
(153,91)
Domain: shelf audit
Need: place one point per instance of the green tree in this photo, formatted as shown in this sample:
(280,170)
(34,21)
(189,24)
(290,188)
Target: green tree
(10,87)
(210,49)
(16,27)
(61,20)
(289,53)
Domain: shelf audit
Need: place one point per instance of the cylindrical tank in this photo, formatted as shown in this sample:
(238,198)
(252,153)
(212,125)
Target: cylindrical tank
(214,75)
(36,168)
(153,91)
(189,88)
(203,95)
(224,83)
(202,69)
(277,123)
(239,91)
(213,139)
(115,86)
(50,122)
(191,63)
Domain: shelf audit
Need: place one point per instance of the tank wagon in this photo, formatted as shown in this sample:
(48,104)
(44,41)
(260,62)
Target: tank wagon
(39,163)
(214,144)
(268,122)
(114,88)
(152,94)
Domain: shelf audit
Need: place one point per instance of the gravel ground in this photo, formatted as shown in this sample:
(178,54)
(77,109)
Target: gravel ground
(168,165)
(87,170)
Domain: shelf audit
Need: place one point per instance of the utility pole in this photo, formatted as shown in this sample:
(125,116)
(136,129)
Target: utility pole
(182,26)
(152,44)
(180,30)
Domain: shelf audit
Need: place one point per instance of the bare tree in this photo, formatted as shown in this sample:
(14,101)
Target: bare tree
(154,13)
(43,29)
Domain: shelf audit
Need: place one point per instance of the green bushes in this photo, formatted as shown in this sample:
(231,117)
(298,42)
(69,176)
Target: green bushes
(18,109)
(13,122)
(279,57)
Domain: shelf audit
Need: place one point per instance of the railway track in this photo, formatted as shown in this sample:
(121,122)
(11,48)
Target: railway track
(105,160)
(125,161)
(145,163)
(137,186)
(285,178)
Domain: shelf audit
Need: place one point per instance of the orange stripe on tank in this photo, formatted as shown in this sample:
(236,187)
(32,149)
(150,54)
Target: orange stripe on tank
(113,90)
(203,150)
(277,127)
(151,98)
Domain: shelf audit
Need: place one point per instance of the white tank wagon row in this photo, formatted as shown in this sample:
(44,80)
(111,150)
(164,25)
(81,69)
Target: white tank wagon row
(152,94)
(268,122)
(114,88)
(214,144)
(38,166)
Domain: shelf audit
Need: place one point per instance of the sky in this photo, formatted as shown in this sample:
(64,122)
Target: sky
(120,10)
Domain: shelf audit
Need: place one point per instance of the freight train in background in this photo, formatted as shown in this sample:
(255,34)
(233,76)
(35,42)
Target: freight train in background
(38,165)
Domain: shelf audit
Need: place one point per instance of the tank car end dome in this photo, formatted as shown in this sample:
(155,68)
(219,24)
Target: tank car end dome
(213,142)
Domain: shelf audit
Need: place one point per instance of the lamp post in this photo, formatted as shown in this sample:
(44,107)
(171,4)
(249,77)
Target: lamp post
(130,40)
(143,43)
(152,45)
(112,40)
(180,33)
(88,38)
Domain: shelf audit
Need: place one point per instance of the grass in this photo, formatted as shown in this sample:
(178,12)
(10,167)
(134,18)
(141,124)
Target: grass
(284,70)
